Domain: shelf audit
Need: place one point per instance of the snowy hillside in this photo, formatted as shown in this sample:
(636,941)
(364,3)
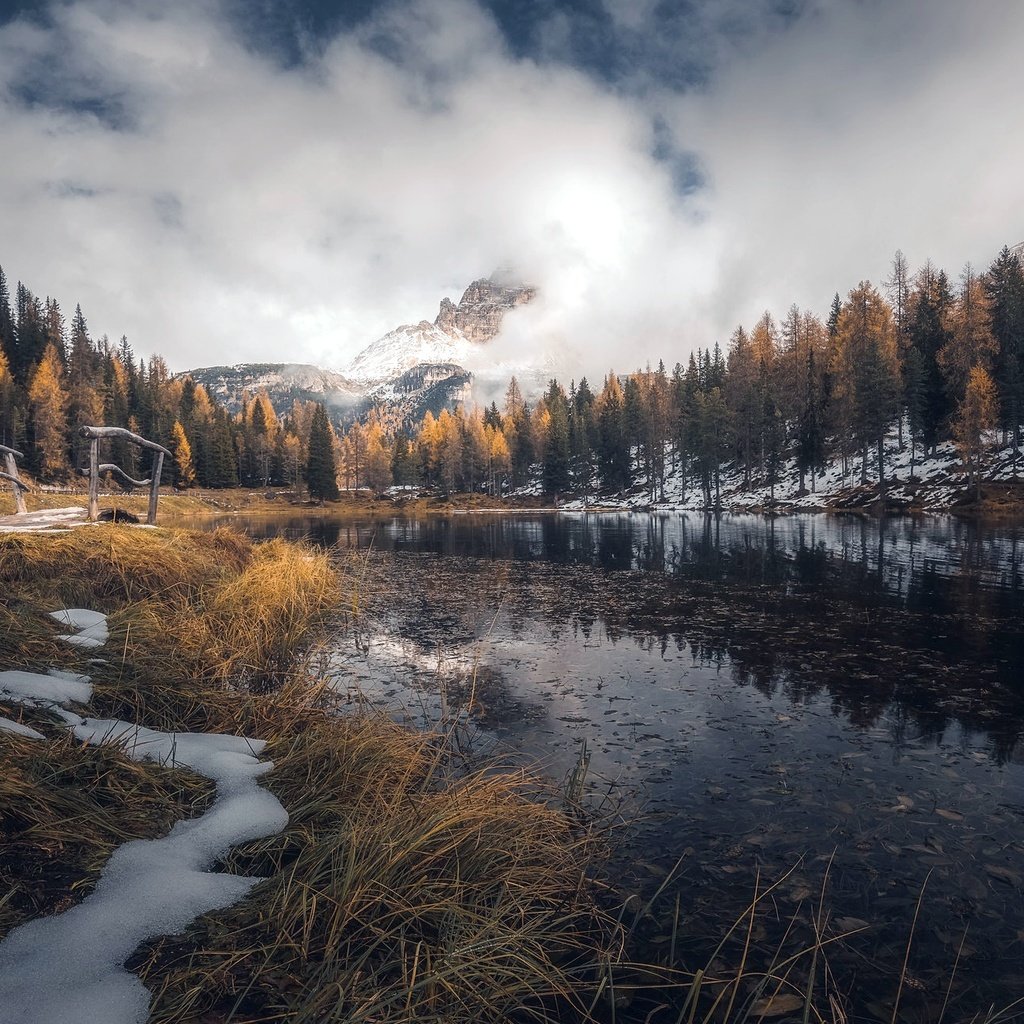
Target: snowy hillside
(939,482)
(405,347)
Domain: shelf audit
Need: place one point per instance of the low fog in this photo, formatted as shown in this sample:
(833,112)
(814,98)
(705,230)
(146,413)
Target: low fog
(219,206)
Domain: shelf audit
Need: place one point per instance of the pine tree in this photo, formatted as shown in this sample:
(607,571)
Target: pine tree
(928,334)
(85,404)
(29,342)
(8,410)
(613,461)
(321,474)
(1004,288)
(810,451)
(915,398)
(556,478)
(8,328)
(404,470)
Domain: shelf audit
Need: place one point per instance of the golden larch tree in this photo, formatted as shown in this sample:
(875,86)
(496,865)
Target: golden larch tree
(48,408)
(977,413)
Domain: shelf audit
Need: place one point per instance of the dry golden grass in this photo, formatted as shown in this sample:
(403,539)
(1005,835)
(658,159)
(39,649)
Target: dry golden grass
(397,893)
(248,626)
(401,890)
(111,566)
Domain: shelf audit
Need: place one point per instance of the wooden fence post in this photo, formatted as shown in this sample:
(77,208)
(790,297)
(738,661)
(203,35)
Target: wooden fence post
(94,479)
(12,471)
(154,486)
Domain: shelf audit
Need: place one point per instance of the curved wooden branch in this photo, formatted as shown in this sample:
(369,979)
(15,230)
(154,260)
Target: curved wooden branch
(14,480)
(4,450)
(117,471)
(97,433)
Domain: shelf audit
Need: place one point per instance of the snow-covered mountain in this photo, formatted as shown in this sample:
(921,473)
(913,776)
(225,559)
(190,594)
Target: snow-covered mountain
(411,369)
(456,332)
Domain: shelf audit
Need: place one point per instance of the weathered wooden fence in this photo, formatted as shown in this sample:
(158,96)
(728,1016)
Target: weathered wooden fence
(97,434)
(17,485)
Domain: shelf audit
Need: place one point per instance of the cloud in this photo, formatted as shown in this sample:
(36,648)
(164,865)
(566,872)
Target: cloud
(865,127)
(219,206)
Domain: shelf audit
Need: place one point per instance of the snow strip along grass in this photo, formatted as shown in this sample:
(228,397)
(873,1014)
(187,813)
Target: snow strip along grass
(69,967)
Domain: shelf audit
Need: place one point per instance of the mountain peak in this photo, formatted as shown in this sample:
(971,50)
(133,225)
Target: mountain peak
(483,306)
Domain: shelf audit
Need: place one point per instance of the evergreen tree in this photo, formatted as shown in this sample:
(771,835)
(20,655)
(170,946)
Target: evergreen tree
(613,461)
(928,334)
(8,328)
(810,453)
(8,407)
(1004,287)
(404,470)
(29,342)
(556,479)
(915,398)
(321,474)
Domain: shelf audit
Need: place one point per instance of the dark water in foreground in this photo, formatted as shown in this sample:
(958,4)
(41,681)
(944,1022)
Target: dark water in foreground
(830,702)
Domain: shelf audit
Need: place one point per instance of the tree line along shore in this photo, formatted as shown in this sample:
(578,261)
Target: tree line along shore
(932,360)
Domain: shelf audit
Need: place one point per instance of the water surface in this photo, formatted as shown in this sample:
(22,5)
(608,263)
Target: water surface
(831,702)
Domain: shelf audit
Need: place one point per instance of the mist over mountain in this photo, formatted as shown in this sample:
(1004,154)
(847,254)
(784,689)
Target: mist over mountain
(411,369)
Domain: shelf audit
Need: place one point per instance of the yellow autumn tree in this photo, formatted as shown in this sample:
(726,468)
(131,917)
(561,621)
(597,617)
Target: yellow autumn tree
(499,458)
(971,342)
(48,409)
(428,446)
(376,459)
(977,413)
(7,409)
(184,469)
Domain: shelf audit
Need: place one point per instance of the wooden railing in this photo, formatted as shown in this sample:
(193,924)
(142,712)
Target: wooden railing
(17,485)
(97,434)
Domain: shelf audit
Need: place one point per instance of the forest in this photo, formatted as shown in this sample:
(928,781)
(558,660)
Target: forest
(928,357)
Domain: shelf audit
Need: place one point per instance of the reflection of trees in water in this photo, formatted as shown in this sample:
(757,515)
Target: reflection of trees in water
(917,672)
(919,620)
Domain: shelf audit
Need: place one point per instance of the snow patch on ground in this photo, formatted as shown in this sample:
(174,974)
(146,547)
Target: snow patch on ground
(37,690)
(91,627)
(67,969)
(45,519)
(939,481)
(6,725)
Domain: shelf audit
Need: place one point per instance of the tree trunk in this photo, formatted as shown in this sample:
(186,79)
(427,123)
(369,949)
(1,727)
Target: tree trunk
(881,465)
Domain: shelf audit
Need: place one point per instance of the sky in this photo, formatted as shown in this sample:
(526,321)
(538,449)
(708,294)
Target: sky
(264,180)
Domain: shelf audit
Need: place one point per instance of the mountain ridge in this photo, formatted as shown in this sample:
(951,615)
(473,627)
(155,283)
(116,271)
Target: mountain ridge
(410,369)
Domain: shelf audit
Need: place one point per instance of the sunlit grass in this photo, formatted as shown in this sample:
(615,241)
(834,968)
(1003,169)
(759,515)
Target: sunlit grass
(404,888)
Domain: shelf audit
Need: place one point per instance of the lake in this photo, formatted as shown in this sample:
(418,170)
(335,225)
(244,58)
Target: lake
(831,704)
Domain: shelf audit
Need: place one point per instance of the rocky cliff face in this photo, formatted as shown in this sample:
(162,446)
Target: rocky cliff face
(482,308)
(449,339)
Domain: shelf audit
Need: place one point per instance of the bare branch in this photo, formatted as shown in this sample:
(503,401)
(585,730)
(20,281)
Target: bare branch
(96,433)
